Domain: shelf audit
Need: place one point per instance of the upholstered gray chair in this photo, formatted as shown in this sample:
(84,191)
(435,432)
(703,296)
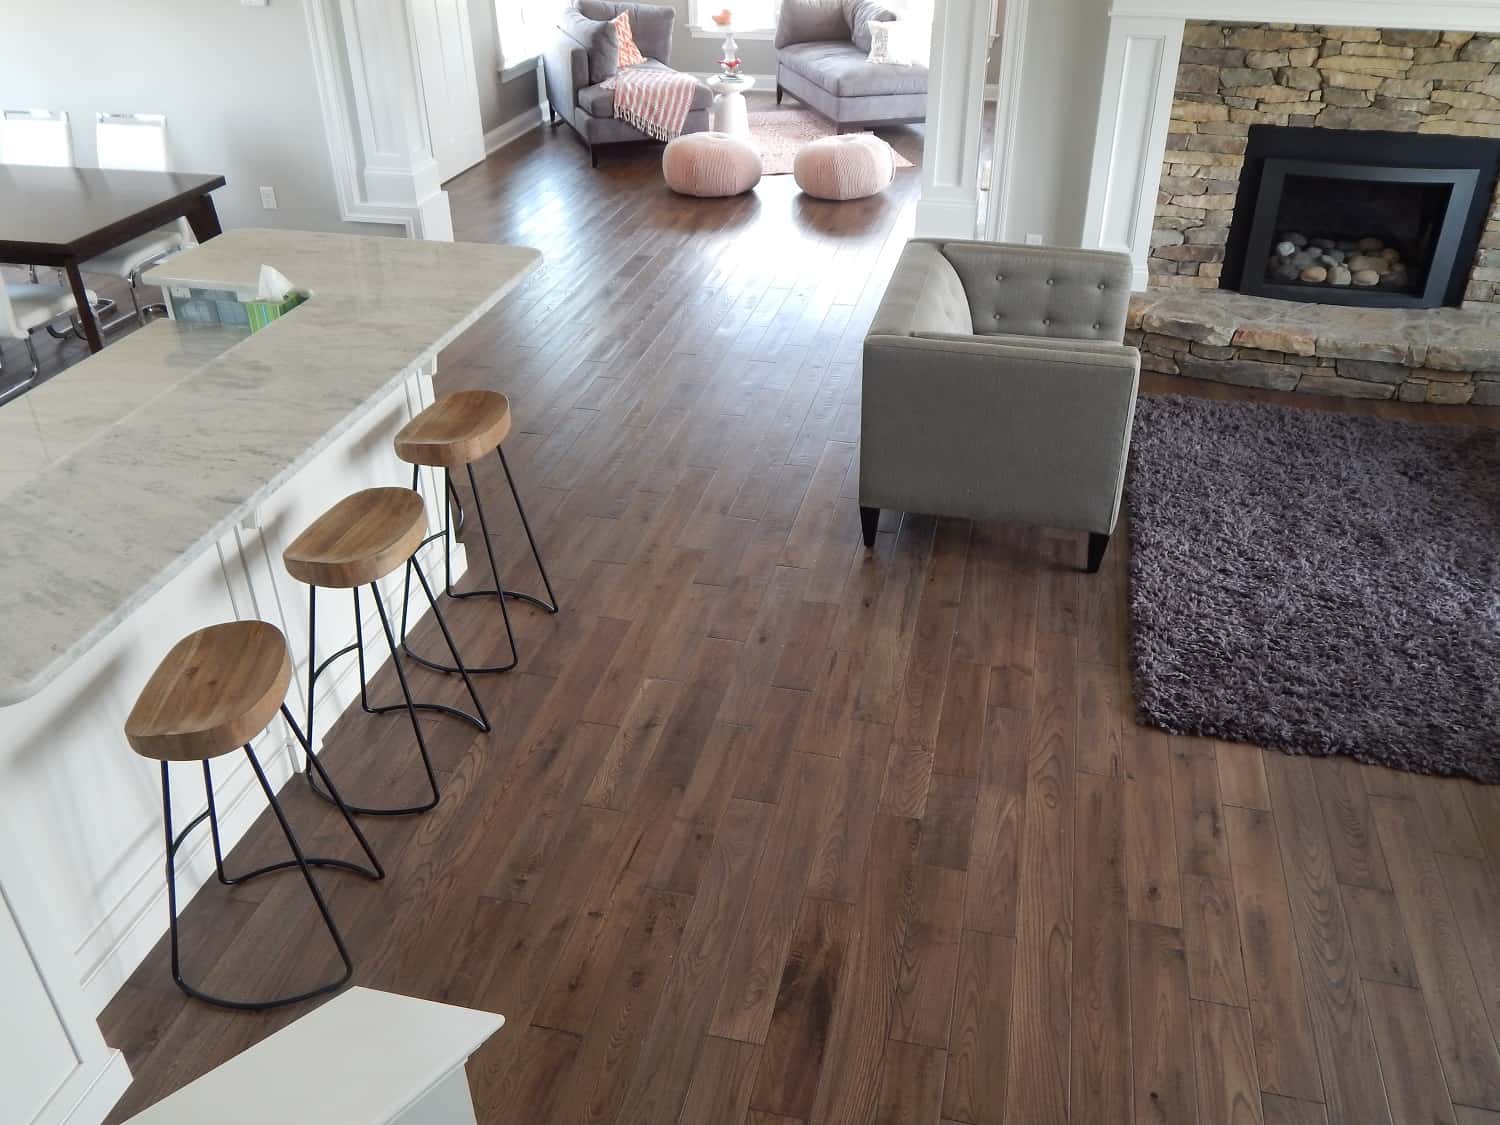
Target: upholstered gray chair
(582,56)
(996,387)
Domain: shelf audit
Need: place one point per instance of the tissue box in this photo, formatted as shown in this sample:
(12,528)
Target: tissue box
(261,313)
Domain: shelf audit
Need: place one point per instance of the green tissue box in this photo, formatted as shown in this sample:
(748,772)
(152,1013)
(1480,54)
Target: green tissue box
(261,313)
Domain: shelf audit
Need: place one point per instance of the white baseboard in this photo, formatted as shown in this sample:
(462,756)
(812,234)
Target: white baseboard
(514,129)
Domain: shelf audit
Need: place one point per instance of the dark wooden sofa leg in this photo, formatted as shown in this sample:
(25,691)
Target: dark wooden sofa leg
(869,519)
(1098,544)
(778,93)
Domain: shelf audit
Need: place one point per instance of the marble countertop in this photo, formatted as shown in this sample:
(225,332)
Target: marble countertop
(117,473)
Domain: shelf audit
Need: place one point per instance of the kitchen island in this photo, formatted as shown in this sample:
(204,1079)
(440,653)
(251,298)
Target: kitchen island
(144,493)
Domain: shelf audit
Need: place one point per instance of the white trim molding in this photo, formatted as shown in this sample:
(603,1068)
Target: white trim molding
(1433,15)
(513,130)
(364,63)
(1007,112)
(1140,75)
(949,204)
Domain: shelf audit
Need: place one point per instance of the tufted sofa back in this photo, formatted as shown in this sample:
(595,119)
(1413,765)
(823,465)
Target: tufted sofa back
(1042,291)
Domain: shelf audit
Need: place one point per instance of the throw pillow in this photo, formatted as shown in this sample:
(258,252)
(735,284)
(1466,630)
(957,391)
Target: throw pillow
(630,54)
(597,38)
(880,43)
(863,15)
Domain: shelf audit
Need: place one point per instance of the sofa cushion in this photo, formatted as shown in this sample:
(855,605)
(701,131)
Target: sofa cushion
(596,37)
(597,101)
(811,21)
(650,23)
(859,13)
(845,72)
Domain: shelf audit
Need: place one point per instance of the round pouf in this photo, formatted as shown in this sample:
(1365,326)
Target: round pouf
(709,165)
(851,166)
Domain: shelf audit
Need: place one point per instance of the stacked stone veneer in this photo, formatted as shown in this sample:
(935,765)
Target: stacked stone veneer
(1233,76)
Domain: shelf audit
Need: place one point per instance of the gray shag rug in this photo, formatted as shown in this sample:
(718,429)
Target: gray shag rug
(1319,583)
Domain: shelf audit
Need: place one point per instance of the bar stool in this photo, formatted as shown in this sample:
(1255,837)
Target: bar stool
(455,432)
(217,689)
(358,541)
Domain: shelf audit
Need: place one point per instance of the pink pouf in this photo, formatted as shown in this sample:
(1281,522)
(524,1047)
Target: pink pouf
(851,166)
(709,165)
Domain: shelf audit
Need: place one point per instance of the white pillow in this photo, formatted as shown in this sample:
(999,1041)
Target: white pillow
(899,42)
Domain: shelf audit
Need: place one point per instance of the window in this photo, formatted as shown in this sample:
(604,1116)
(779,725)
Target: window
(524,26)
(751,17)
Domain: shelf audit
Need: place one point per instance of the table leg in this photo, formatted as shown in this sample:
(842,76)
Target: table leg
(85,310)
(204,219)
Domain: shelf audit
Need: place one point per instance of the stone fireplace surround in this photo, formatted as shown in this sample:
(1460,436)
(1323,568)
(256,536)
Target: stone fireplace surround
(1193,328)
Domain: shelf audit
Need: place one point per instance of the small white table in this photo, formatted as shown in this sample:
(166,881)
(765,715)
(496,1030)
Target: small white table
(730,114)
(363,1058)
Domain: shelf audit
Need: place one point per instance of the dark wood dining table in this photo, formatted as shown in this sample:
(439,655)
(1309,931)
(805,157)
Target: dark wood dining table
(62,217)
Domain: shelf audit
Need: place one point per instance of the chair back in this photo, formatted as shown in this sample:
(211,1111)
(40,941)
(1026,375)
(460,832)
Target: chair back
(134,141)
(9,329)
(35,136)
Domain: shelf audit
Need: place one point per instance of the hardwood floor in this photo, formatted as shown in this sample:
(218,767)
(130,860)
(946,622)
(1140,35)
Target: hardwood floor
(775,831)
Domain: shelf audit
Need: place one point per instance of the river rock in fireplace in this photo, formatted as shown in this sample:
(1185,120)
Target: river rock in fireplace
(1364,262)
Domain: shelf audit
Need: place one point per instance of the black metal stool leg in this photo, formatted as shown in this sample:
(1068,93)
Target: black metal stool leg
(301,861)
(498,590)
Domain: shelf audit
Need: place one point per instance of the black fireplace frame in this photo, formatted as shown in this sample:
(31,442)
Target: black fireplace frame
(1468,165)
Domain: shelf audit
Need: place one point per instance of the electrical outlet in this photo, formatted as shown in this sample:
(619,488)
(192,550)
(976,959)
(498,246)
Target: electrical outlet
(268,201)
(1031,239)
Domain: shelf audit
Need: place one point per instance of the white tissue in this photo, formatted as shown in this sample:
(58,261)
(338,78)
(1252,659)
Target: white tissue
(273,285)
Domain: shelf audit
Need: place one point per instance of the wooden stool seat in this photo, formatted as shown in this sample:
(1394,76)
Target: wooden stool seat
(216,690)
(456,430)
(361,538)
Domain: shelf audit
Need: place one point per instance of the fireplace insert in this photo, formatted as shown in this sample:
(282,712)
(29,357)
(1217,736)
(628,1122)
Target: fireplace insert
(1359,217)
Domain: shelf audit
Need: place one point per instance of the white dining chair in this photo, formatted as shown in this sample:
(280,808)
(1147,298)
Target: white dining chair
(136,142)
(36,136)
(25,307)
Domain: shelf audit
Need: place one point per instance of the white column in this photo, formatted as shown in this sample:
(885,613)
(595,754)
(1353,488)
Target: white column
(1135,107)
(949,204)
(399,169)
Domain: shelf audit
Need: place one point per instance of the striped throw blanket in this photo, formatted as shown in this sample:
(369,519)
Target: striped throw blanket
(653,99)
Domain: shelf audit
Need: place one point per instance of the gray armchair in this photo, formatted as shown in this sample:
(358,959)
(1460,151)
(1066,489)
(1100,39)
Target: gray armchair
(581,57)
(996,387)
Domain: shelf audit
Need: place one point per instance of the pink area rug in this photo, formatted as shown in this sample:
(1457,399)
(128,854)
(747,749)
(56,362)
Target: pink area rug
(779,133)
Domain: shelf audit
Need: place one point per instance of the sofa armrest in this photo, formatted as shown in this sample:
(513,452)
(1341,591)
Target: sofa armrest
(924,295)
(565,66)
(807,21)
(970,428)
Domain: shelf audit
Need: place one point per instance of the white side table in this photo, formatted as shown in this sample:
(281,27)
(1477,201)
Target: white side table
(730,114)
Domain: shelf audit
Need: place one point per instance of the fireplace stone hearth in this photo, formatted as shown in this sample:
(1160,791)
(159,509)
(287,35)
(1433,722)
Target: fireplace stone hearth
(1449,356)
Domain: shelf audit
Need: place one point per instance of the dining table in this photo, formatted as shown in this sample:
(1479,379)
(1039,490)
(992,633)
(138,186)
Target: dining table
(62,217)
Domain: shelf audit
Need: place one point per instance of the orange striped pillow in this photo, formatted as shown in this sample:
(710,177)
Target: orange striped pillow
(630,54)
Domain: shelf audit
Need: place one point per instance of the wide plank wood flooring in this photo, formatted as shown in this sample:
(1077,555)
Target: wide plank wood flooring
(774,831)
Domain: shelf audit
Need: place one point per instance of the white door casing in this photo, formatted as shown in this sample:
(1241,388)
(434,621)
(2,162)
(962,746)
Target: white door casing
(449,85)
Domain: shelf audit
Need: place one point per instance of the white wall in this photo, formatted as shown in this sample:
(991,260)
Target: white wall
(236,84)
(1062,60)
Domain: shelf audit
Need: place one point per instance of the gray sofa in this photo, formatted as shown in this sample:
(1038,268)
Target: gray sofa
(582,55)
(822,60)
(996,387)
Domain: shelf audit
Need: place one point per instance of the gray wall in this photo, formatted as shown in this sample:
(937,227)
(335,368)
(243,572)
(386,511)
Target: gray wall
(235,83)
(701,56)
(1062,62)
(499,101)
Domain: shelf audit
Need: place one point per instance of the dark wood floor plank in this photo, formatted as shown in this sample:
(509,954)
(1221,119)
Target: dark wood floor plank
(802,1020)
(849,1085)
(1104,720)
(1341,1025)
(1242,775)
(1228,1086)
(1357,858)
(1041,1004)
(748,997)
(960,737)
(1100,1068)
(948,822)
(1413,1073)
(1380,946)
(1199,813)
(999,815)
(998,618)
(1153,887)
(974,1087)
(1476,904)
(926,963)
(1290,1111)
(1165,1090)
(1286,1052)
(670,1047)
(1451,994)
(911,1085)
(721,1083)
